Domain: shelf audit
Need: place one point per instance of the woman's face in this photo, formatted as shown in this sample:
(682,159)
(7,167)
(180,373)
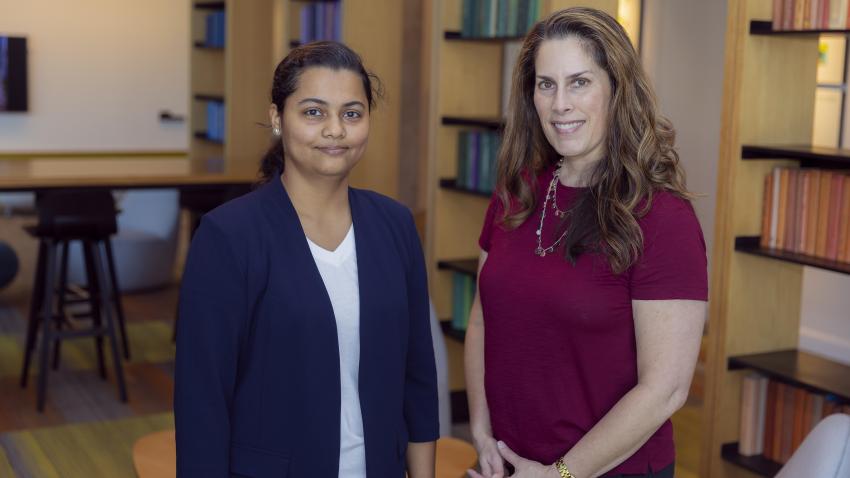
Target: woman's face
(325,123)
(571,96)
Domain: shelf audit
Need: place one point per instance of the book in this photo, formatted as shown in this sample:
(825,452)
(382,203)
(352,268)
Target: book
(791,217)
(782,214)
(777,15)
(812,212)
(748,419)
(774,208)
(844,222)
(770,419)
(835,190)
(802,219)
(798,431)
(786,427)
(823,213)
(766,210)
(761,414)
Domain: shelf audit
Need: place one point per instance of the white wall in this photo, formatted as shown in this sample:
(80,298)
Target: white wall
(825,314)
(99,73)
(683,53)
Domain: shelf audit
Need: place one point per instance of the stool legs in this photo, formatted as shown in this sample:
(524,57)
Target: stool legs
(46,317)
(60,317)
(35,303)
(110,326)
(115,294)
(93,274)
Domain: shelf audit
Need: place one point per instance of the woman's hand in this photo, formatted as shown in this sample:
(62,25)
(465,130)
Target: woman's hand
(489,459)
(526,468)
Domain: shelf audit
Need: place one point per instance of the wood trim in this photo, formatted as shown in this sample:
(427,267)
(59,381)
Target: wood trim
(27,155)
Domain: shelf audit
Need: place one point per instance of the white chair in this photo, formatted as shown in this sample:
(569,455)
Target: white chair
(145,246)
(825,453)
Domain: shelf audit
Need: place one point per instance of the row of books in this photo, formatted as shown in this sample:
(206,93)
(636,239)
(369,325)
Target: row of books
(321,21)
(215,121)
(463,292)
(776,417)
(215,29)
(476,160)
(810,15)
(807,211)
(498,18)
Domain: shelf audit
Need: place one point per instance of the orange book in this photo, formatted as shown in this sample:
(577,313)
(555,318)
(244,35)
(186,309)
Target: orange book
(776,450)
(766,211)
(769,419)
(807,13)
(812,212)
(783,209)
(787,428)
(837,184)
(791,211)
(823,213)
(798,431)
(799,14)
(844,222)
(802,219)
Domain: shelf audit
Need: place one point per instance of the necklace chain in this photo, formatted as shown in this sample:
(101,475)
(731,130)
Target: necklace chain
(551,194)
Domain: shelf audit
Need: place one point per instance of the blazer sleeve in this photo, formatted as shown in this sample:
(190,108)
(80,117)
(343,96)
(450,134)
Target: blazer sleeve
(421,410)
(212,312)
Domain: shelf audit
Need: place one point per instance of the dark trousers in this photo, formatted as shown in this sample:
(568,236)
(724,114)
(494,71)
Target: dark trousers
(664,473)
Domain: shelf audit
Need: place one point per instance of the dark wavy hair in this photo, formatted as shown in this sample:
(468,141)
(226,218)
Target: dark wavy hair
(638,158)
(328,54)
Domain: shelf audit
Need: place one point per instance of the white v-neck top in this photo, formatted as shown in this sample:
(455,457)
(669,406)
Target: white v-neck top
(338,269)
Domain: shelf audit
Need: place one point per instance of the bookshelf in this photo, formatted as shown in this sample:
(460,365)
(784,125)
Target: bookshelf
(259,33)
(463,86)
(755,302)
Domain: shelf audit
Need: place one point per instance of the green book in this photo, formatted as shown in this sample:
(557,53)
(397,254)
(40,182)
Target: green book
(513,9)
(468,16)
(462,155)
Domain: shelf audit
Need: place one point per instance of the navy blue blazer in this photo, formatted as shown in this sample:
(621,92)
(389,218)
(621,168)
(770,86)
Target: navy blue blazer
(257,381)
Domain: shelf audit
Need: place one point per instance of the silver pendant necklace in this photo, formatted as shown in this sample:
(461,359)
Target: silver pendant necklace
(551,195)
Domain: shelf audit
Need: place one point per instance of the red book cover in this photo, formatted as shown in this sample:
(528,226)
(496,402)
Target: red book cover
(783,209)
(766,211)
(787,427)
(812,212)
(777,14)
(799,203)
(803,219)
(776,450)
(844,221)
(788,16)
(769,418)
(791,211)
(798,431)
(835,188)
(823,213)
(808,404)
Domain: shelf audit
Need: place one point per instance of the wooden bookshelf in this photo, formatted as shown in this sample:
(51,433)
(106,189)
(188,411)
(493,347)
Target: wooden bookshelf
(201,97)
(451,185)
(209,5)
(458,36)
(755,301)
(204,136)
(451,332)
(765,27)
(489,123)
(757,464)
(464,266)
(809,156)
(750,245)
(799,369)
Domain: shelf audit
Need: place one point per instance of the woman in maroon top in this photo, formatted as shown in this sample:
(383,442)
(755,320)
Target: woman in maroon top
(586,327)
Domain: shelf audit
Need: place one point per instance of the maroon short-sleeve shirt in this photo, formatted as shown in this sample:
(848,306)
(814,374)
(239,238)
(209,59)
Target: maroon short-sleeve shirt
(560,339)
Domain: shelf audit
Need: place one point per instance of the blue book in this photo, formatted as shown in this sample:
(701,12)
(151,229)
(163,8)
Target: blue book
(472,158)
(462,152)
(502,18)
(468,18)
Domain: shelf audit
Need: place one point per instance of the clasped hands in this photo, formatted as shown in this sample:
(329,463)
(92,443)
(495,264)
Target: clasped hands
(492,454)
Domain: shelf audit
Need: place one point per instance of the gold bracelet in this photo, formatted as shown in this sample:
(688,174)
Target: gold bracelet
(562,469)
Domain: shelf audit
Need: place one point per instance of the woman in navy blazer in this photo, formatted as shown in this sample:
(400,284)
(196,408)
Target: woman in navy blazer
(261,367)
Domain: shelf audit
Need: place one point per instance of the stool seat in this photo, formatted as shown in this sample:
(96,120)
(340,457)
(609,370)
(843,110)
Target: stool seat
(155,456)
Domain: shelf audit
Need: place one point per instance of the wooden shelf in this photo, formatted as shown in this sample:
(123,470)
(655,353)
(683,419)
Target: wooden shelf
(799,369)
(451,184)
(457,36)
(489,123)
(203,136)
(757,464)
(809,156)
(762,27)
(201,97)
(209,5)
(451,332)
(750,245)
(203,46)
(464,266)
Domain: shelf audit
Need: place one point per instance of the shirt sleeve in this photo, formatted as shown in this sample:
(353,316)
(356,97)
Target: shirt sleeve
(484,240)
(212,312)
(673,264)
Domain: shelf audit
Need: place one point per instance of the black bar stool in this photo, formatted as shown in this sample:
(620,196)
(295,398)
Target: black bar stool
(65,216)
